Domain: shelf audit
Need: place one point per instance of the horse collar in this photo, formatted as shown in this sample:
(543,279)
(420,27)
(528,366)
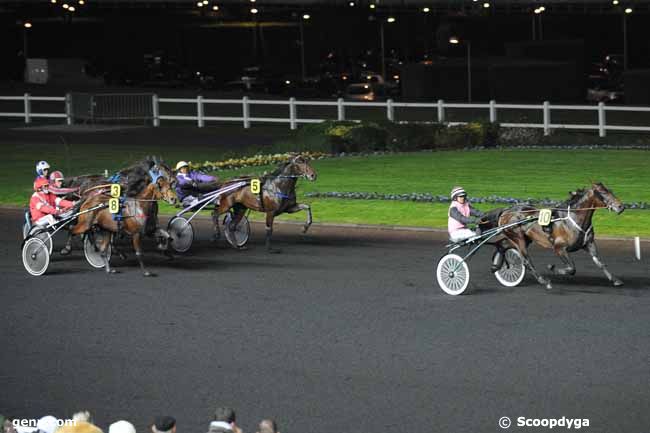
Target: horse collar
(155,175)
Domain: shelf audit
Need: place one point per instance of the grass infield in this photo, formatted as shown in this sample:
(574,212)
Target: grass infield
(512,173)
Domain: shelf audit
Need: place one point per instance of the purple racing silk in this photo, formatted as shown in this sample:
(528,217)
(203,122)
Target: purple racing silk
(183,186)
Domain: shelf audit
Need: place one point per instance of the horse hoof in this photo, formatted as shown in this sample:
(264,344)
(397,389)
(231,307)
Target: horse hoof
(122,256)
(550,267)
(65,251)
(148,274)
(112,271)
(617,283)
(549,286)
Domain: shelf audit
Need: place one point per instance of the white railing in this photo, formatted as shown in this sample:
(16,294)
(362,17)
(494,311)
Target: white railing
(438,108)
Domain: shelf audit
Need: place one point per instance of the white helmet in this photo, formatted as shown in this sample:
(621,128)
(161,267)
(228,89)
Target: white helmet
(42,165)
(181,164)
(456,191)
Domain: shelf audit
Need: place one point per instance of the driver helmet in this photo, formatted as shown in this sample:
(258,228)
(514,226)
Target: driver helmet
(41,167)
(457,191)
(181,164)
(40,183)
(56,175)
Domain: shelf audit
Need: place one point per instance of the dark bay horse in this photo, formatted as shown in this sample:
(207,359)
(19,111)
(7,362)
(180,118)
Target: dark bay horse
(571,230)
(136,212)
(277,196)
(133,179)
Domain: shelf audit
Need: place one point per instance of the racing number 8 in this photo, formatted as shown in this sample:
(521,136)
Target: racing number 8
(544,217)
(114,205)
(116,190)
(255,186)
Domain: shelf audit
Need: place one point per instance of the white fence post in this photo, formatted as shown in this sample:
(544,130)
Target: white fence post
(547,118)
(199,111)
(441,111)
(28,109)
(155,105)
(246,112)
(292,113)
(390,110)
(493,111)
(340,109)
(601,119)
(68,109)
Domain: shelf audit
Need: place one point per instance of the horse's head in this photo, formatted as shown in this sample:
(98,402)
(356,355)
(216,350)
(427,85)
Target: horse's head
(162,169)
(299,166)
(607,198)
(164,189)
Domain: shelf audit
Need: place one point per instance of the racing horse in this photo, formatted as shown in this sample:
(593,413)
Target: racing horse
(277,196)
(136,211)
(571,229)
(133,180)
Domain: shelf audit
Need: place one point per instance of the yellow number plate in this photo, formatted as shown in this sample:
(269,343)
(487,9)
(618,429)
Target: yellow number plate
(255,186)
(116,190)
(114,205)
(544,217)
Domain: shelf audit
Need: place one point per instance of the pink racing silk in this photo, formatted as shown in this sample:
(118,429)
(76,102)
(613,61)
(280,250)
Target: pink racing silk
(452,223)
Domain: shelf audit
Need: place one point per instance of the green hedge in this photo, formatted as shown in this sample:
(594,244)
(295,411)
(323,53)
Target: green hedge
(353,137)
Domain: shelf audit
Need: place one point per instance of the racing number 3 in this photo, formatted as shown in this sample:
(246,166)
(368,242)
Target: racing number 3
(255,186)
(116,190)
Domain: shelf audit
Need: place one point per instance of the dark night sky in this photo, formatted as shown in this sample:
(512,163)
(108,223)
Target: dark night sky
(120,37)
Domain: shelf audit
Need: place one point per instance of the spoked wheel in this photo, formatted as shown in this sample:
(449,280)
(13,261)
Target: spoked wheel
(452,274)
(42,234)
(181,233)
(237,237)
(36,256)
(513,270)
(92,248)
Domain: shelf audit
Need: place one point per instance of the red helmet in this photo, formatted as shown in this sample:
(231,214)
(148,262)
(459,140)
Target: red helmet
(40,183)
(57,175)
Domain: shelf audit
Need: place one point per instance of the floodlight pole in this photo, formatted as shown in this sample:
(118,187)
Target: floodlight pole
(624,41)
(469,71)
(302,50)
(383,49)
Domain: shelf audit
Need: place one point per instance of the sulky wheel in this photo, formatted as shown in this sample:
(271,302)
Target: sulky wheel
(239,236)
(42,234)
(452,274)
(181,233)
(513,271)
(92,245)
(36,256)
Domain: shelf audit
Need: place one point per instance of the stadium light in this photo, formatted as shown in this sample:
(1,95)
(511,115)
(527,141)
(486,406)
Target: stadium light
(351,4)
(27,25)
(486,5)
(615,2)
(372,6)
(628,10)
(426,10)
(71,9)
(254,11)
(200,4)
(390,19)
(215,8)
(306,16)
(454,40)
(53,1)
(82,2)
(65,6)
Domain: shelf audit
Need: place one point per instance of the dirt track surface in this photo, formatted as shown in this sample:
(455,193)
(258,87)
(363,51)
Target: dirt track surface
(344,331)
